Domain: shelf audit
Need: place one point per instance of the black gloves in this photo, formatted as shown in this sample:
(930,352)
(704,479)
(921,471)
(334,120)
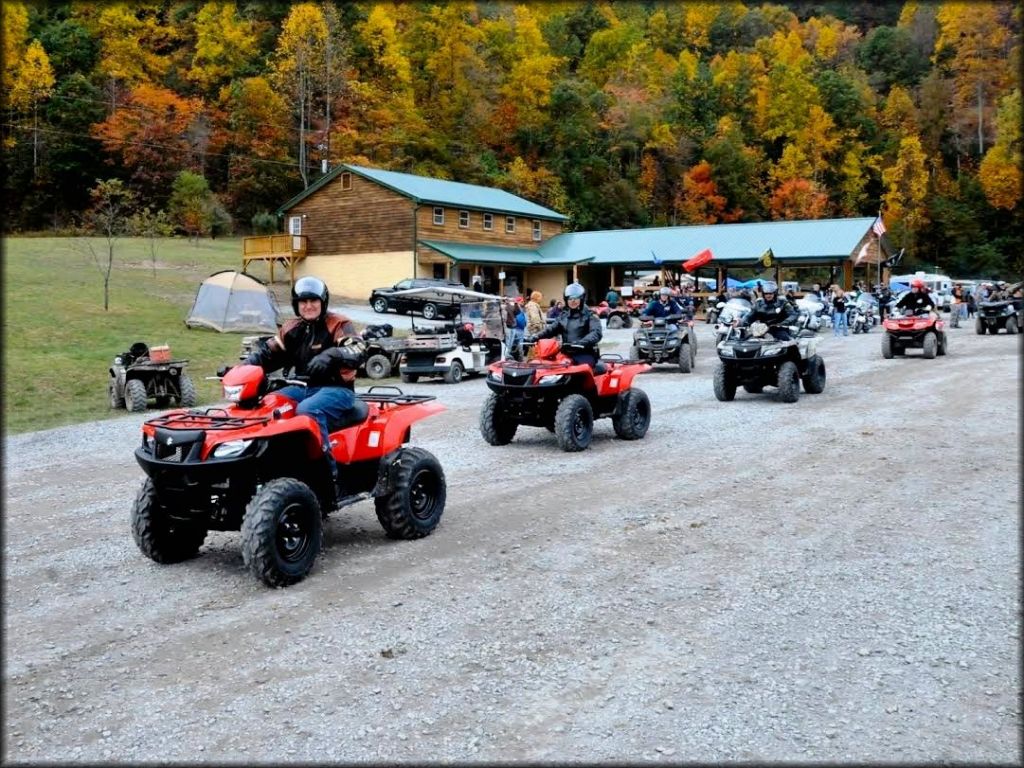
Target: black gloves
(254,358)
(322,364)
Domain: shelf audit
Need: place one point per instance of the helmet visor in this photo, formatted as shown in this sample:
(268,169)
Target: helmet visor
(574,291)
(310,288)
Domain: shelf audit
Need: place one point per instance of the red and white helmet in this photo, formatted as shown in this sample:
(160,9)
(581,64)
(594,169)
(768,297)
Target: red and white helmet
(917,282)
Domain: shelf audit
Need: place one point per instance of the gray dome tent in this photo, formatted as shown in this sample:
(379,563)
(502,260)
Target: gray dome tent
(234,301)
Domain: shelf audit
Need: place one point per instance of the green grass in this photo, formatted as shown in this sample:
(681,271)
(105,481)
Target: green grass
(59,342)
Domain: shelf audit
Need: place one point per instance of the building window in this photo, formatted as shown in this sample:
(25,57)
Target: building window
(294,225)
(439,216)
(488,222)
(510,224)
(346,181)
(463,219)
(536,229)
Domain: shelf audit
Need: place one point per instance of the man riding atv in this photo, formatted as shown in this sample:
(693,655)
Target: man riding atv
(663,306)
(916,298)
(323,346)
(773,310)
(578,328)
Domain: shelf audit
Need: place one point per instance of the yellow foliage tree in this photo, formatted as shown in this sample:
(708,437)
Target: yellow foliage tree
(906,185)
(32,84)
(225,45)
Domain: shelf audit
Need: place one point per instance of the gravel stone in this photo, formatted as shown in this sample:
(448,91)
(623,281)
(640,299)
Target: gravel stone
(834,580)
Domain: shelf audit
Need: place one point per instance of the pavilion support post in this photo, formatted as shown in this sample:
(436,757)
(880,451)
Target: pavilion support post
(848,275)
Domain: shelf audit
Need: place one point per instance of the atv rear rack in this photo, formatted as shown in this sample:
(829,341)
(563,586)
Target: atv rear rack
(210,419)
(395,396)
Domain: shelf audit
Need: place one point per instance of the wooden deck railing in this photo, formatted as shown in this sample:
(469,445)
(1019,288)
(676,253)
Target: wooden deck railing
(286,250)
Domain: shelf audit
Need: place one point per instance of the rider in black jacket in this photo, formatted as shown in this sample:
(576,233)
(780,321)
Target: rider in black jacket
(917,297)
(577,325)
(774,311)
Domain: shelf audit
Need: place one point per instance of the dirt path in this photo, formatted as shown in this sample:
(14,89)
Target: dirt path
(834,580)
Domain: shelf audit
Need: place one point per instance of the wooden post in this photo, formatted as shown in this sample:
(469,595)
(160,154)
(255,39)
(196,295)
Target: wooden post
(612,278)
(848,275)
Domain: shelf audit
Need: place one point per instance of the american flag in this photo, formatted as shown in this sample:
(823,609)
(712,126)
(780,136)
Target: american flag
(863,254)
(879,226)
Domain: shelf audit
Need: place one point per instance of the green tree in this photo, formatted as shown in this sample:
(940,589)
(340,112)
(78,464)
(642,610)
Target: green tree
(191,205)
(890,57)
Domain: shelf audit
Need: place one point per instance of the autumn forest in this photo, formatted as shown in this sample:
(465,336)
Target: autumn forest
(207,116)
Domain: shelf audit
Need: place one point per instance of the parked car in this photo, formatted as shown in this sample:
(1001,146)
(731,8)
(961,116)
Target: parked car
(430,304)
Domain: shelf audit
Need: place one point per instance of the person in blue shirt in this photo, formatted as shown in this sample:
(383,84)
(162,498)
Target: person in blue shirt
(663,306)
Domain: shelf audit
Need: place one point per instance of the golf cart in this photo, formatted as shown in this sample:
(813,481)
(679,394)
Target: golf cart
(469,344)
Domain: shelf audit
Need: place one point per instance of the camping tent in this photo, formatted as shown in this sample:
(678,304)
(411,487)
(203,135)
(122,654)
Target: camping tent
(234,301)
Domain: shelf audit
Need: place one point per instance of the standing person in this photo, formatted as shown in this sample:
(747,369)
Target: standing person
(612,298)
(534,314)
(971,307)
(958,308)
(323,346)
(513,338)
(839,312)
(556,309)
(577,325)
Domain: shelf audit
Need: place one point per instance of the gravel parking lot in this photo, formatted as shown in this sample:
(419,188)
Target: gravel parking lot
(833,580)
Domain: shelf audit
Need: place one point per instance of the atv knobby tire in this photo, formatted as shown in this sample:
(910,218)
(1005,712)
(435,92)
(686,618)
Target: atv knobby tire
(685,358)
(1011,326)
(414,505)
(135,395)
(979,327)
(161,539)
(378,366)
(634,415)
(495,427)
(725,383)
(116,400)
(614,322)
(187,392)
(789,382)
(887,346)
(574,423)
(943,345)
(282,532)
(634,354)
(814,379)
(930,346)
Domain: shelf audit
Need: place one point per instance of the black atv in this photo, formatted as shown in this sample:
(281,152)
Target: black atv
(141,374)
(754,359)
(665,340)
(995,315)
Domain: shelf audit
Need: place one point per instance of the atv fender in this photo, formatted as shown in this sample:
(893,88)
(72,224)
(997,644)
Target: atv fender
(619,379)
(382,432)
(385,484)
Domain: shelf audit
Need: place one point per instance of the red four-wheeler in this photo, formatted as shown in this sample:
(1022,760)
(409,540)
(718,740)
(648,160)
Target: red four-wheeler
(921,329)
(565,397)
(258,467)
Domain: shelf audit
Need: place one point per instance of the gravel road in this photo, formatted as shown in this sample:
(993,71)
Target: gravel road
(833,580)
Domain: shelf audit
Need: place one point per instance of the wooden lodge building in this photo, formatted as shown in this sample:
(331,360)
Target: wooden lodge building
(362,228)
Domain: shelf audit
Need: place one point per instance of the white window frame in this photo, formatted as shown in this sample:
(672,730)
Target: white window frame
(294,225)
(488,222)
(463,219)
(510,225)
(346,181)
(439,216)
(536,230)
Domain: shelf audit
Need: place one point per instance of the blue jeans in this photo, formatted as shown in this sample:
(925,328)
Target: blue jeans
(839,322)
(321,404)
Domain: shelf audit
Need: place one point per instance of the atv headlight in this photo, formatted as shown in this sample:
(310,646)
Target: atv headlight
(234,392)
(118,361)
(726,352)
(771,349)
(231,448)
(554,378)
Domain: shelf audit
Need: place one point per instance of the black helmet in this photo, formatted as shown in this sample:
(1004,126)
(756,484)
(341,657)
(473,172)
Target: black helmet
(769,287)
(310,287)
(575,291)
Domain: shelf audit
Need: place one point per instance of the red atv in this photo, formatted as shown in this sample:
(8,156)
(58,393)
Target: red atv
(923,330)
(554,392)
(258,467)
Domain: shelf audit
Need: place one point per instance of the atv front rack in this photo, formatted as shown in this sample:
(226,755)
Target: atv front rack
(210,419)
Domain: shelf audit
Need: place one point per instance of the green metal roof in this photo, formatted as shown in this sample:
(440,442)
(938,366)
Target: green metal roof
(491,254)
(421,189)
(815,240)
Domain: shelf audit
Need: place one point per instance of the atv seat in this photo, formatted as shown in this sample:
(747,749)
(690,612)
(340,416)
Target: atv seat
(360,410)
(804,332)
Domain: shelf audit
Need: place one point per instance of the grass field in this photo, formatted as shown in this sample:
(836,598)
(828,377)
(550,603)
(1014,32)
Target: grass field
(59,342)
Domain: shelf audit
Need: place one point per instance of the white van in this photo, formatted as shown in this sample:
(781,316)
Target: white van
(939,285)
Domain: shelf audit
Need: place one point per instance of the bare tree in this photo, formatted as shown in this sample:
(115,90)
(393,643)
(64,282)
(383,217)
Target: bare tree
(108,218)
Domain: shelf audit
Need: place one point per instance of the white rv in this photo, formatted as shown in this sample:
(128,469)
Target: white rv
(939,285)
